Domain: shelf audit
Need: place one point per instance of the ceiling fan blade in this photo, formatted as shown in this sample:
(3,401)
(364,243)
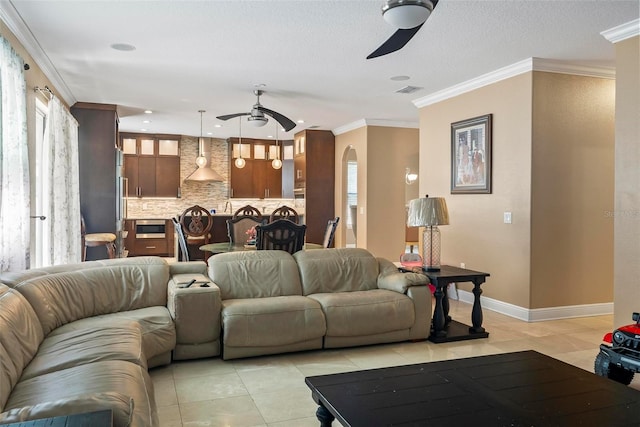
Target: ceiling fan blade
(231,116)
(286,123)
(395,42)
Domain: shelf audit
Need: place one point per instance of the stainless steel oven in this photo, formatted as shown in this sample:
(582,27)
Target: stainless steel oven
(150,229)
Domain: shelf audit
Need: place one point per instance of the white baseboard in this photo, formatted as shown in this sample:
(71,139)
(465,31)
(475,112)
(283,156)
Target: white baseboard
(538,314)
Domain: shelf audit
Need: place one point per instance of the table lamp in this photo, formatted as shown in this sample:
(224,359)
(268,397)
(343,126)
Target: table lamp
(429,212)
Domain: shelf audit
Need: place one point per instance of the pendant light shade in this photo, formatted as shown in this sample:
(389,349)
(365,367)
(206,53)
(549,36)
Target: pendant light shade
(203,173)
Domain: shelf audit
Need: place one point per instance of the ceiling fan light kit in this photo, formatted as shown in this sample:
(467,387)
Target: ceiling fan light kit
(257,115)
(407,14)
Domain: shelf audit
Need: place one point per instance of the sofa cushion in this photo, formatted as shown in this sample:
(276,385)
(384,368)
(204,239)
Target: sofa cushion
(256,322)
(84,346)
(20,337)
(255,274)
(78,382)
(366,312)
(337,270)
(62,298)
(157,327)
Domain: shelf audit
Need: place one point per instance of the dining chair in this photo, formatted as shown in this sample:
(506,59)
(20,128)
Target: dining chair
(237,228)
(330,232)
(248,211)
(281,234)
(196,223)
(183,249)
(284,212)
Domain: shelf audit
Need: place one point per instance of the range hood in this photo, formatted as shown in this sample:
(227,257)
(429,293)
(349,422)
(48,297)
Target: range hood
(204,172)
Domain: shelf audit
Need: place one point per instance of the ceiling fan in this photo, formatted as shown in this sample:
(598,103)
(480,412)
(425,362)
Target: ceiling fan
(257,115)
(406,15)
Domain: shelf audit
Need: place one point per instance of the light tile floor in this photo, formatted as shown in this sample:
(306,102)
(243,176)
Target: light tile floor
(270,390)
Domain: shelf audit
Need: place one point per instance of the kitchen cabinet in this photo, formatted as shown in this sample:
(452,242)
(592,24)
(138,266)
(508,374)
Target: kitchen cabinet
(258,178)
(314,178)
(99,172)
(141,244)
(151,165)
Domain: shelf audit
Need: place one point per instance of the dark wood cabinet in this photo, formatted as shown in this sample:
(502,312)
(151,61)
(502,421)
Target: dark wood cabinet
(139,246)
(99,171)
(258,178)
(151,165)
(314,174)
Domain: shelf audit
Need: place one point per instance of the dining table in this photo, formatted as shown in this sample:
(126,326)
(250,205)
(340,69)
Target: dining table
(224,247)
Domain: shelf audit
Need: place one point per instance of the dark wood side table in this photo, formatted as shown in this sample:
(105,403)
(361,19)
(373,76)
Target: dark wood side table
(445,329)
(89,419)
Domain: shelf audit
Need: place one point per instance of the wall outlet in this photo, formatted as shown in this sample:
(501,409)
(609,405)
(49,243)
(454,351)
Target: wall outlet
(507,217)
(145,206)
(463,265)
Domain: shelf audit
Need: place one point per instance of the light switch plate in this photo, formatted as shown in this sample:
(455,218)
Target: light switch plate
(507,217)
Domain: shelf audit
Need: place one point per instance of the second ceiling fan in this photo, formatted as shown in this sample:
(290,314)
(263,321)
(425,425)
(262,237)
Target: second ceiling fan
(407,16)
(257,115)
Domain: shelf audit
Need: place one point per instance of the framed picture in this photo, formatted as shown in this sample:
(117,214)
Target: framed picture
(471,156)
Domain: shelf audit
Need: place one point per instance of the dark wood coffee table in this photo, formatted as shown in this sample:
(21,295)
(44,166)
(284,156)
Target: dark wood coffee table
(89,419)
(513,389)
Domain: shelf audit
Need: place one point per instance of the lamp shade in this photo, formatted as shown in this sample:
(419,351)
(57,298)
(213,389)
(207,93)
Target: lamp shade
(428,211)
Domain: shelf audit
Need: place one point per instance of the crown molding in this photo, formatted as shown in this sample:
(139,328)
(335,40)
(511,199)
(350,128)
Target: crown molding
(622,32)
(17,26)
(521,67)
(374,122)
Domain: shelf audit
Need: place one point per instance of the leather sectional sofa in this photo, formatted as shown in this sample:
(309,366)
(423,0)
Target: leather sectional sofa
(272,302)
(80,338)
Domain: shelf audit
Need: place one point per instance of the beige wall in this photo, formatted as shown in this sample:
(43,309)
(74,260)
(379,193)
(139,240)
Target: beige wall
(390,151)
(552,168)
(477,235)
(572,190)
(383,155)
(627,182)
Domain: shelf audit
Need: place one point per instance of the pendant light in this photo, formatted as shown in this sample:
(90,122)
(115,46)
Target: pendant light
(203,173)
(240,162)
(277,163)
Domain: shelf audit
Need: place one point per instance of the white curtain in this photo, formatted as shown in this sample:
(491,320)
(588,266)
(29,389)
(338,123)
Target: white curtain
(61,186)
(14,163)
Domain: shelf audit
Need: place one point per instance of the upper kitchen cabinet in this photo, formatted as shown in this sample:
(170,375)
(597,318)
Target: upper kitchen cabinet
(314,177)
(151,164)
(258,178)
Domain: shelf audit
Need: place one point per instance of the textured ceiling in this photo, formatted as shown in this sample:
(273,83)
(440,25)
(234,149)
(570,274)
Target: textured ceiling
(193,55)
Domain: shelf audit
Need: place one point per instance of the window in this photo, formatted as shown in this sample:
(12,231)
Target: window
(41,239)
(352,189)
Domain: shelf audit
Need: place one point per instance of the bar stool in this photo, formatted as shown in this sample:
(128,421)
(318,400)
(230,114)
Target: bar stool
(97,239)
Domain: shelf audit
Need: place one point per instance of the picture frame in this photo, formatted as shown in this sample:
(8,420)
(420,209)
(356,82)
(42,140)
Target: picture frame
(471,142)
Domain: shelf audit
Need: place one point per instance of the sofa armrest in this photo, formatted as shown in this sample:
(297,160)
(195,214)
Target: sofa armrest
(389,278)
(195,310)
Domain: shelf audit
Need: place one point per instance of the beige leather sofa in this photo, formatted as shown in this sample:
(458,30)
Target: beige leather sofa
(272,302)
(81,337)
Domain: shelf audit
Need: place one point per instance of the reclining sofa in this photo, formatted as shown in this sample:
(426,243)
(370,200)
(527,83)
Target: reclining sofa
(273,302)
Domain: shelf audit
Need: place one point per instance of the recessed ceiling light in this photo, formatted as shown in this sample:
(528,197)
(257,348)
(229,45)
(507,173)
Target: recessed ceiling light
(269,136)
(209,133)
(217,126)
(124,47)
(300,121)
(146,121)
(143,130)
(148,112)
(399,78)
